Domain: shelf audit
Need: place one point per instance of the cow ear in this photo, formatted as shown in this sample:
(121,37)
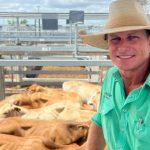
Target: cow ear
(72,126)
(76,126)
(82,126)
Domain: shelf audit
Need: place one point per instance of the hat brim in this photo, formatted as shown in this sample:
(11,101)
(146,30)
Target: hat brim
(98,39)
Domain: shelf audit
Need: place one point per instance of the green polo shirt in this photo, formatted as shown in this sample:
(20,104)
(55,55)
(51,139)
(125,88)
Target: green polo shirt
(125,120)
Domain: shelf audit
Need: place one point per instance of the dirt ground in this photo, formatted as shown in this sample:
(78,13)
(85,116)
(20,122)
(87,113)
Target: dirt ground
(52,68)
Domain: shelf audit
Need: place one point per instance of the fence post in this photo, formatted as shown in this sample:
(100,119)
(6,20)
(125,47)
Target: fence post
(2,87)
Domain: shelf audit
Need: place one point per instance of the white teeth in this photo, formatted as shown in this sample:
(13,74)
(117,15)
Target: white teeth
(124,57)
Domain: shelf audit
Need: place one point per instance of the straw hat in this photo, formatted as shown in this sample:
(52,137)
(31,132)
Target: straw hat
(124,15)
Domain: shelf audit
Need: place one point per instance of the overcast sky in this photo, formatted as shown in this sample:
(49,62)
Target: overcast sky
(53,5)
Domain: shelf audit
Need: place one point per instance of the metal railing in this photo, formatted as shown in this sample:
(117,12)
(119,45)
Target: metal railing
(24,81)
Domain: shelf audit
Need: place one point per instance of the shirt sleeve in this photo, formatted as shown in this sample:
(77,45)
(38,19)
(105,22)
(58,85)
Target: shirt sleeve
(96,118)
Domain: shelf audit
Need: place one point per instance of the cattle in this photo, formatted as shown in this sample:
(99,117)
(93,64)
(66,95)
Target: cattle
(37,96)
(32,68)
(50,134)
(38,88)
(89,92)
(51,118)
(59,111)
(9,142)
(42,98)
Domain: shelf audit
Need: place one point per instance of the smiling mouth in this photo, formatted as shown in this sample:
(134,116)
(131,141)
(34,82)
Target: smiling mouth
(125,57)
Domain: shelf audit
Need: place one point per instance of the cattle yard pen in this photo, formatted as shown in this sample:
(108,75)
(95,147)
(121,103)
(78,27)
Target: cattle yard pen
(30,54)
(18,72)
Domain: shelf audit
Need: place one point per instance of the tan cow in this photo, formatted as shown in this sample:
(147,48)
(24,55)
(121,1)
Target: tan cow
(52,133)
(63,111)
(9,142)
(37,96)
(40,99)
(38,88)
(48,103)
(89,92)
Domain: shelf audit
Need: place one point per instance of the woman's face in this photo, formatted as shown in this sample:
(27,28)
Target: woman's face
(129,50)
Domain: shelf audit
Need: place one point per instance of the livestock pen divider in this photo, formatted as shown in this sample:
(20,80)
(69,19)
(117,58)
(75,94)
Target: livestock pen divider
(21,63)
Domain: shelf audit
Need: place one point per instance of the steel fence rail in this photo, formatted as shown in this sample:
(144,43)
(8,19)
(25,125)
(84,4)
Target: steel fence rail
(8,62)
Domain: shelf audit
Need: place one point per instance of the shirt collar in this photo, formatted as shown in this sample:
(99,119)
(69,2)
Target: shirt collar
(118,77)
(147,82)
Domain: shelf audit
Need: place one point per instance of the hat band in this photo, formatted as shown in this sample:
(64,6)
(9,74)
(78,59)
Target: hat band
(132,21)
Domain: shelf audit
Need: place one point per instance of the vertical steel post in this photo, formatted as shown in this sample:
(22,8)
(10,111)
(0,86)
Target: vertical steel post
(76,40)
(2,87)
(70,33)
(17,41)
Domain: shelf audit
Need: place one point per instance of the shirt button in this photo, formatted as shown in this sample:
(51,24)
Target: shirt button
(124,110)
(119,148)
(122,129)
(140,120)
